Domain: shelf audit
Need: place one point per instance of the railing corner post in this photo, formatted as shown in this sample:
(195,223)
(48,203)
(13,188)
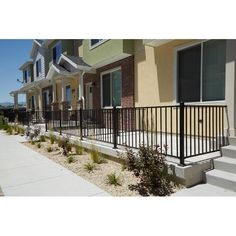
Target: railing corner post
(114,122)
(81,122)
(60,120)
(181,135)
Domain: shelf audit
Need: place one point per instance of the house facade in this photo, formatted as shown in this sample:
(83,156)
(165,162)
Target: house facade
(99,73)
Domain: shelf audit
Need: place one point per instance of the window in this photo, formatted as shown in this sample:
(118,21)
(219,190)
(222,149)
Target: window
(201,72)
(111,88)
(38,67)
(68,95)
(25,76)
(56,52)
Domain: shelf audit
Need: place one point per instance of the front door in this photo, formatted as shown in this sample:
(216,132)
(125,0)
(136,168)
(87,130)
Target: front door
(89,96)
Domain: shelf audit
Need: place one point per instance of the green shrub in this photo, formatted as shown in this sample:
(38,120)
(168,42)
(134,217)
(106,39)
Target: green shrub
(96,157)
(79,149)
(42,138)
(49,148)
(149,166)
(39,145)
(9,130)
(89,166)
(66,146)
(70,159)
(52,138)
(112,179)
(32,142)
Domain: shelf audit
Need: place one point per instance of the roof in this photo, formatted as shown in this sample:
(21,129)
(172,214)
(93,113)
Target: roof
(60,69)
(25,65)
(36,43)
(76,62)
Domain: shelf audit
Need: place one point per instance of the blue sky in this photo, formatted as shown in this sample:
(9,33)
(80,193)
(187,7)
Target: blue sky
(13,53)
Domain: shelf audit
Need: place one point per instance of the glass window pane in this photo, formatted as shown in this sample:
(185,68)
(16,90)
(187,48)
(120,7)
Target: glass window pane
(68,95)
(189,73)
(95,41)
(213,71)
(106,90)
(116,88)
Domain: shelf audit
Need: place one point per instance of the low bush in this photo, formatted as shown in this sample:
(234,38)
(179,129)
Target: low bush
(113,179)
(96,157)
(65,145)
(89,166)
(9,130)
(70,159)
(79,149)
(52,138)
(42,138)
(39,145)
(149,166)
(49,148)
(32,142)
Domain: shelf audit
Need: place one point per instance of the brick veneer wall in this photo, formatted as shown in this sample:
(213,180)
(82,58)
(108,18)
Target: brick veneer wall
(127,71)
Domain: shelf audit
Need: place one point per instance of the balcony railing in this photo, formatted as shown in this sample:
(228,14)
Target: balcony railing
(180,131)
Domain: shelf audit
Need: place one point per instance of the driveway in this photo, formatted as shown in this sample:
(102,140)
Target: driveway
(24,172)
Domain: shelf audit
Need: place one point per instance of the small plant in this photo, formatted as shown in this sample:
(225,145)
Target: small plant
(150,167)
(52,138)
(66,146)
(42,138)
(39,145)
(32,142)
(89,166)
(9,130)
(70,159)
(49,148)
(95,156)
(113,179)
(79,150)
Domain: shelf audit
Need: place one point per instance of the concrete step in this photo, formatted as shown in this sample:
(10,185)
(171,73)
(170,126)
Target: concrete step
(222,179)
(225,164)
(232,141)
(229,151)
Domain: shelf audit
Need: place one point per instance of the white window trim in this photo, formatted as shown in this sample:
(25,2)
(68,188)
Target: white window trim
(56,44)
(97,44)
(101,90)
(175,87)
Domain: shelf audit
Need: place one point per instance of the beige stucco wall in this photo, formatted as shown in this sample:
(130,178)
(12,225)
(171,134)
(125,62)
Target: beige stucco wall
(154,73)
(74,83)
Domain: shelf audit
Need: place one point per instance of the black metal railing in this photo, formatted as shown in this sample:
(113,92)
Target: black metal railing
(180,131)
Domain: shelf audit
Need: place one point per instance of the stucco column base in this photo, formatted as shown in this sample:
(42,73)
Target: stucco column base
(231,132)
(55,110)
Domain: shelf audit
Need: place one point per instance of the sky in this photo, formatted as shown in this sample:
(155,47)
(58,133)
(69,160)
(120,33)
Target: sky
(13,53)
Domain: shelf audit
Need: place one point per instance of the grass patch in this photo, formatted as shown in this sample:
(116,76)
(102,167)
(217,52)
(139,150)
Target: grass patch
(49,148)
(113,179)
(70,159)
(89,166)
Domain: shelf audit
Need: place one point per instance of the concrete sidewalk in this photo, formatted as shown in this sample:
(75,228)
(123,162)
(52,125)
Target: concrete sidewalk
(204,190)
(24,172)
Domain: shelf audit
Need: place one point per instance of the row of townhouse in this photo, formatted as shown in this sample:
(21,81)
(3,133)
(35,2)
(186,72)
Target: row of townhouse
(99,73)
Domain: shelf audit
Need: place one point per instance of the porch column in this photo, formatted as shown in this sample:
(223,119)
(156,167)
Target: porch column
(40,99)
(27,101)
(230,84)
(64,104)
(36,94)
(54,97)
(15,101)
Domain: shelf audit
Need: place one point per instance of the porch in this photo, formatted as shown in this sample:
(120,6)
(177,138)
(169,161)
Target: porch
(181,131)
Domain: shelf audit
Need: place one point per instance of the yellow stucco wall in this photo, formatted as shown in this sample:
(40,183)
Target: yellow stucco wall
(154,73)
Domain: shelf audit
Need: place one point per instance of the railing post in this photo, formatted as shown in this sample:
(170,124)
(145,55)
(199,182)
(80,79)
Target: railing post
(60,119)
(81,122)
(181,135)
(114,116)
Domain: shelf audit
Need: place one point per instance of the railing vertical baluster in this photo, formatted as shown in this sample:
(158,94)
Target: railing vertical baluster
(171,131)
(190,132)
(181,119)
(114,115)
(81,122)
(206,129)
(202,128)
